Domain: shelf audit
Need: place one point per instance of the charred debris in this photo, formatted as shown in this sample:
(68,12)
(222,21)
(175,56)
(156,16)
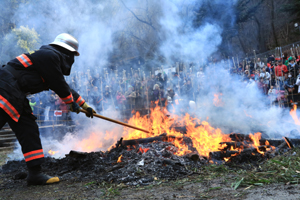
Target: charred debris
(143,161)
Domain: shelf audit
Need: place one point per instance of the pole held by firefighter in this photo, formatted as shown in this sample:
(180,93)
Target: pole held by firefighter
(115,121)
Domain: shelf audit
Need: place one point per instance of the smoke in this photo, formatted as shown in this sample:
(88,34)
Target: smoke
(94,24)
(107,27)
(182,40)
(242,108)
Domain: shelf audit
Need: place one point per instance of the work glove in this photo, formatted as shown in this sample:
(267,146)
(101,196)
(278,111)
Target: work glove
(74,107)
(89,109)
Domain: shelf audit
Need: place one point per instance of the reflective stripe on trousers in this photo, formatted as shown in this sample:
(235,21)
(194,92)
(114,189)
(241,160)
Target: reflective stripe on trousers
(32,155)
(9,109)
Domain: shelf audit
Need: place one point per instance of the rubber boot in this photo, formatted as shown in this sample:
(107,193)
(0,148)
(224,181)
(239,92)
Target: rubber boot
(36,177)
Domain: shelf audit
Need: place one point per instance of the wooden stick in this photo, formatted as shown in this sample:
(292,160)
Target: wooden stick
(233,63)
(102,95)
(229,64)
(115,121)
(147,96)
(297,51)
(255,60)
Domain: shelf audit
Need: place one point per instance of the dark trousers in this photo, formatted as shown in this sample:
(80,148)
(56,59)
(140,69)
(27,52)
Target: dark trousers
(27,133)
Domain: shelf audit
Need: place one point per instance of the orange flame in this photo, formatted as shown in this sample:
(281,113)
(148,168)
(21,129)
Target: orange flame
(226,159)
(247,114)
(205,138)
(218,101)
(255,138)
(143,150)
(293,113)
(52,152)
(120,159)
(287,142)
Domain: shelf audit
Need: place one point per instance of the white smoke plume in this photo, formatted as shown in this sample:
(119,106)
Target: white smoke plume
(242,108)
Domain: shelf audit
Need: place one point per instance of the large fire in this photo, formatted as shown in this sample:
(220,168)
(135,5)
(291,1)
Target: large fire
(204,137)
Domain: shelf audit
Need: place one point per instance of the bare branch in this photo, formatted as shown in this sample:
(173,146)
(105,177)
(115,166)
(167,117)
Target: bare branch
(132,35)
(150,24)
(147,11)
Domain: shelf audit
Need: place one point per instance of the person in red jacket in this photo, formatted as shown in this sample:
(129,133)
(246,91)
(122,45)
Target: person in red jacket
(280,70)
(31,73)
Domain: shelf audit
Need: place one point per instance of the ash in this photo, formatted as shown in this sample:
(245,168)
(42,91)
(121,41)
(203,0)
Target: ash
(140,165)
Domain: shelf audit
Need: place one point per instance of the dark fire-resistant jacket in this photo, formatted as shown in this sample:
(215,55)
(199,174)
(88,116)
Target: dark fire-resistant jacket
(33,73)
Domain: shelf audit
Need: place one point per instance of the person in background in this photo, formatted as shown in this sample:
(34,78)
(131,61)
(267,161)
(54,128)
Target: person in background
(271,58)
(152,81)
(280,70)
(259,64)
(170,93)
(120,100)
(273,80)
(266,76)
(188,90)
(298,81)
(96,99)
(270,68)
(157,93)
(247,75)
(130,97)
(290,80)
(255,75)
(32,103)
(262,86)
(107,100)
(240,69)
(272,91)
(293,67)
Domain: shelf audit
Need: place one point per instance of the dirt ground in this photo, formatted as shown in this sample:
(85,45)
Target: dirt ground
(181,189)
(218,185)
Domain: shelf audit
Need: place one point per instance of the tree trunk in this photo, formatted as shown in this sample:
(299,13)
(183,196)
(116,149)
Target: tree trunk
(272,23)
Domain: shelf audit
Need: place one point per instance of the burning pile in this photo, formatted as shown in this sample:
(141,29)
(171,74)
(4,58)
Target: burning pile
(174,148)
(137,165)
(198,136)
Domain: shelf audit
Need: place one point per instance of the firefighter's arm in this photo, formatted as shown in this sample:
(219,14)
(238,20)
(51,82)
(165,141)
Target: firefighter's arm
(53,76)
(81,102)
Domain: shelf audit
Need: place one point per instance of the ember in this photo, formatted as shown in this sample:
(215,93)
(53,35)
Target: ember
(52,152)
(143,150)
(120,159)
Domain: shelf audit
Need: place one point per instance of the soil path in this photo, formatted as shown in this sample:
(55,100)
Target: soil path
(189,188)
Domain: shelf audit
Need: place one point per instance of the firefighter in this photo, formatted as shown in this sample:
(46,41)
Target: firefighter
(31,73)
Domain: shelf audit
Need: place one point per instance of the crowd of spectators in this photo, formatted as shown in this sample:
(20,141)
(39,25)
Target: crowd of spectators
(277,79)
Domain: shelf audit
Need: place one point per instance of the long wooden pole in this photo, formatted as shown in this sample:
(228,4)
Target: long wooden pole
(255,60)
(102,95)
(115,121)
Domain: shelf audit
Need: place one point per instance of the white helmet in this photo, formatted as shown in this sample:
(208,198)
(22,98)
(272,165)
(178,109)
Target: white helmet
(67,41)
